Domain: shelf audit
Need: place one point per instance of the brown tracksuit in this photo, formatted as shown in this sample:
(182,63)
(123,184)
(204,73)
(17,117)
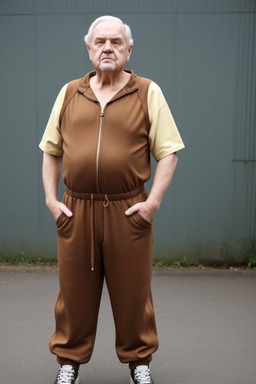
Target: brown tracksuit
(105,164)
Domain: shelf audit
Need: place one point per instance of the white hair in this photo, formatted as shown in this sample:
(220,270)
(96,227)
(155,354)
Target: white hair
(127,29)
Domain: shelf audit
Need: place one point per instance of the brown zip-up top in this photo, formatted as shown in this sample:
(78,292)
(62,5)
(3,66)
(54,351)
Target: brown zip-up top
(105,150)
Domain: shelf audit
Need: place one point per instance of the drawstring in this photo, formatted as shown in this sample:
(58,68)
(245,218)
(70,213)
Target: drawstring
(106,202)
(105,205)
(92,235)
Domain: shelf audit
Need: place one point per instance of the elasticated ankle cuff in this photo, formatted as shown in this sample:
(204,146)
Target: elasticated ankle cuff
(62,361)
(145,361)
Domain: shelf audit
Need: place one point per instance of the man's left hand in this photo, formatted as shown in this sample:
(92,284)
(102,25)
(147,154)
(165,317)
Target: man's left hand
(143,209)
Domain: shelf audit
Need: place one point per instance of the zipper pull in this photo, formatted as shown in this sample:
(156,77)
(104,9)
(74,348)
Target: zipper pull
(102,112)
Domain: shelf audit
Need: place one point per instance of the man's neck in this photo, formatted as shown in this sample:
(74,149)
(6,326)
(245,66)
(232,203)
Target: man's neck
(109,79)
(105,85)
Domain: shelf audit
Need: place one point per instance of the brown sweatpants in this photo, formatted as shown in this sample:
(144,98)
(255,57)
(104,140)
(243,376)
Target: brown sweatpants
(119,248)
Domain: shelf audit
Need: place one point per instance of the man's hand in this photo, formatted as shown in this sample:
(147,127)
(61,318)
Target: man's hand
(57,208)
(144,209)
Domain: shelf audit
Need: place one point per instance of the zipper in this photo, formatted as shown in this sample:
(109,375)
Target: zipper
(100,135)
(100,129)
(98,150)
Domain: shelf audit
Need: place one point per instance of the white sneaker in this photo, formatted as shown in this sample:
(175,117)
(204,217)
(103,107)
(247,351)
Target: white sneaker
(67,375)
(141,375)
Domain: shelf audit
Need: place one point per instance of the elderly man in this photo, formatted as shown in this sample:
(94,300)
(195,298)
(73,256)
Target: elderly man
(104,127)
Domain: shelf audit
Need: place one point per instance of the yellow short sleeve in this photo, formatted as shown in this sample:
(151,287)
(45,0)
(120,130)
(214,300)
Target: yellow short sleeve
(52,140)
(164,137)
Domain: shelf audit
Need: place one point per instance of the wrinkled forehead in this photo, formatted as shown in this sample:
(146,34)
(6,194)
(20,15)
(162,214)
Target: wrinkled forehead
(109,29)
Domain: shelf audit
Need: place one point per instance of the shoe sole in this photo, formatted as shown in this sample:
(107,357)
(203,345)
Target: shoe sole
(132,382)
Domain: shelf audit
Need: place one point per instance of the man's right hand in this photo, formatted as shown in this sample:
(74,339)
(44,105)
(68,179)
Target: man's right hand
(58,208)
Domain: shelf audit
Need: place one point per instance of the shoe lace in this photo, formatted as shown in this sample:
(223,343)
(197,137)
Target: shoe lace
(143,376)
(65,376)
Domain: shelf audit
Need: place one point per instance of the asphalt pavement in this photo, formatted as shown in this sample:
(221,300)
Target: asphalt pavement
(206,325)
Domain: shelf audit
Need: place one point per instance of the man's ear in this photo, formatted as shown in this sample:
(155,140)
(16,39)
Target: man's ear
(129,52)
(89,51)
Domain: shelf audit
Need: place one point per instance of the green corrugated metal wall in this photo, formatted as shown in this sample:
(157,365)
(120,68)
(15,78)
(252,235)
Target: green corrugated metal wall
(201,53)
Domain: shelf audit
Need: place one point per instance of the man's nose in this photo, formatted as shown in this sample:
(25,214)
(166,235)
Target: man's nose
(108,46)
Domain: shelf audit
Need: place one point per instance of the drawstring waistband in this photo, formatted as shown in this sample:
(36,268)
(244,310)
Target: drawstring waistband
(106,198)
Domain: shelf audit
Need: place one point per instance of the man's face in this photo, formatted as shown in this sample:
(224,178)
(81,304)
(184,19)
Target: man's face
(108,49)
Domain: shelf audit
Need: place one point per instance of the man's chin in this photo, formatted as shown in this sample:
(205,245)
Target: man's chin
(107,67)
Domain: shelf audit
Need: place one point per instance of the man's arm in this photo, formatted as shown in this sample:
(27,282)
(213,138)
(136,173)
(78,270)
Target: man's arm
(51,175)
(162,178)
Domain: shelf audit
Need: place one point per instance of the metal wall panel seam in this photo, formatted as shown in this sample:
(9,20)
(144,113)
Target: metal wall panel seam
(245,112)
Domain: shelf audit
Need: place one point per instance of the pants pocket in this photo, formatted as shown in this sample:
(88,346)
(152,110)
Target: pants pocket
(142,221)
(61,221)
(137,217)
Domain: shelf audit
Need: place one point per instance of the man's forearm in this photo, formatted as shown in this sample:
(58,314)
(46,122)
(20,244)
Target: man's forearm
(51,175)
(162,179)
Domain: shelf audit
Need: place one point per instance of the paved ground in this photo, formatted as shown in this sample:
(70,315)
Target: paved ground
(206,323)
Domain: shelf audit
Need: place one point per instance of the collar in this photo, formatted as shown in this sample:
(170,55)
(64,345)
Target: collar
(84,85)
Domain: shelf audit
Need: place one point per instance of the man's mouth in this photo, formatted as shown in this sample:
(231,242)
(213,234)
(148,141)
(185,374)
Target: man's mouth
(107,58)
